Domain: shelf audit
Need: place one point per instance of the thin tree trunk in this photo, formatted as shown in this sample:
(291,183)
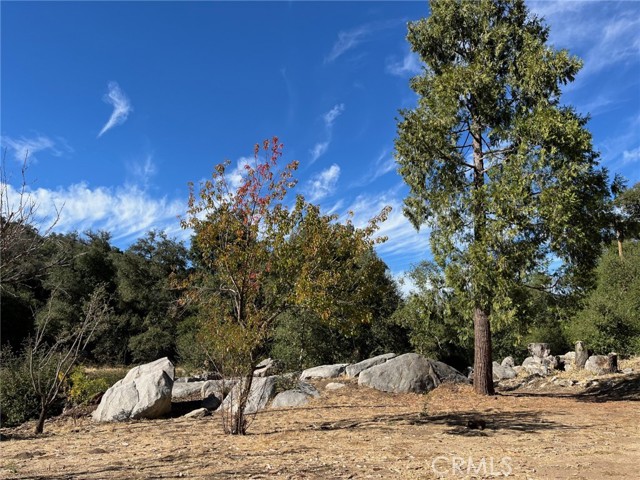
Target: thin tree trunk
(41,419)
(482,365)
(619,238)
(238,419)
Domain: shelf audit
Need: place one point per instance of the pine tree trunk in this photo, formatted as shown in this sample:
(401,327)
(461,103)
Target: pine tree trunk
(482,366)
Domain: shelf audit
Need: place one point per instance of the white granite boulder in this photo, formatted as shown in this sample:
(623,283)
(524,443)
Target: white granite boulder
(324,371)
(145,392)
(409,373)
(355,369)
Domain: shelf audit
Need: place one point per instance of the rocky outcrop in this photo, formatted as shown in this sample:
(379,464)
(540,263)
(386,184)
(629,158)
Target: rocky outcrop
(355,369)
(324,371)
(145,392)
(409,373)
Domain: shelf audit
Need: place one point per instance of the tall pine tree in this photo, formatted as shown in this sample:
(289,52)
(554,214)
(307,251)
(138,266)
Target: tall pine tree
(502,173)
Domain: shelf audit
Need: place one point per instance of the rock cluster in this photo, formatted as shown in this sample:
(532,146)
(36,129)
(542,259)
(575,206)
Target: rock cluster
(147,390)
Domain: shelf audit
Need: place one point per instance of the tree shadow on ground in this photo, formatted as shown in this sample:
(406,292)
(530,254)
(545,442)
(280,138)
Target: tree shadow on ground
(625,388)
(467,423)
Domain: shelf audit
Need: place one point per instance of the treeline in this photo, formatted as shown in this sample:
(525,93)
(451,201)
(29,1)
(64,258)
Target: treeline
(148,317)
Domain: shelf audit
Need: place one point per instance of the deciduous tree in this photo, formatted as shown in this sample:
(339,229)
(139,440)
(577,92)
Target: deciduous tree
(258,257)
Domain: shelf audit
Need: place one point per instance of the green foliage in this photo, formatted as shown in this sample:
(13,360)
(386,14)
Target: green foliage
(84,388)
(18,400)
(436,328)
(610,320)
(504,175)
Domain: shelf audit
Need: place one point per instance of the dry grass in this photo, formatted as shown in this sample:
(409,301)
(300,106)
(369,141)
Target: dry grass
(353,433)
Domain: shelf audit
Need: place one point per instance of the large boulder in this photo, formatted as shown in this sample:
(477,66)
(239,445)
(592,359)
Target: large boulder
(213,392)
(263,389)
(145,392)
(324,371)
(601,364)
(501,372)
(355,369)
(185,389)
(535,366)
(409,373)
(296,397)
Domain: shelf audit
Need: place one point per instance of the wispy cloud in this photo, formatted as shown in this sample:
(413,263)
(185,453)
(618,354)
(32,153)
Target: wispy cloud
(127,212)
(27,148)
(405,246)
(604,33)
(143,170)
(318,150)
(322,184)
(121,107)
(350,39)
(329,119)
(383,164)
(407,67)
(631,156)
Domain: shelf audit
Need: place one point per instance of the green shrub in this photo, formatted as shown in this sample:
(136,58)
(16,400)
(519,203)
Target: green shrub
(18,401)
(84,387)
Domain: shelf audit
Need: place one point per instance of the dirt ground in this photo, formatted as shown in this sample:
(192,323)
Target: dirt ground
(356,432)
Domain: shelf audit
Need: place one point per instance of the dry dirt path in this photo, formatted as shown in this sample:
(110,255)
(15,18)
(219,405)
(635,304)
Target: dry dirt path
(353,433)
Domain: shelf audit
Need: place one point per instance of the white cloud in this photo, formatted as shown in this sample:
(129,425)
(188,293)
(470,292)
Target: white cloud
(348,40)
(407,67)
(384,164)
(121,107)
(631,156)
(605,33)
(332,114)
(236,176)
(404,246)
(143,170)
(127,212)
(26,148)
(322,184)
(318,150)
(329,119)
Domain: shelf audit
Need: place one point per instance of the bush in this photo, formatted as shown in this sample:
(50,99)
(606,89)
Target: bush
(84,387)
(18,400)
(610,320)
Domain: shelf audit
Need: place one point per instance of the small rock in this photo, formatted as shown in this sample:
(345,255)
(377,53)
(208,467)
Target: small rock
(199,413)
(334,386)
(627,371)
(508,362)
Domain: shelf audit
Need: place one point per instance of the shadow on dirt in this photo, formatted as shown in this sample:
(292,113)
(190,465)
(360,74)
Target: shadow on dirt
(462,423)
(624,388)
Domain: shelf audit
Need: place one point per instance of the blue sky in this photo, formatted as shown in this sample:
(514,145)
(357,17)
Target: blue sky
(121,104)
